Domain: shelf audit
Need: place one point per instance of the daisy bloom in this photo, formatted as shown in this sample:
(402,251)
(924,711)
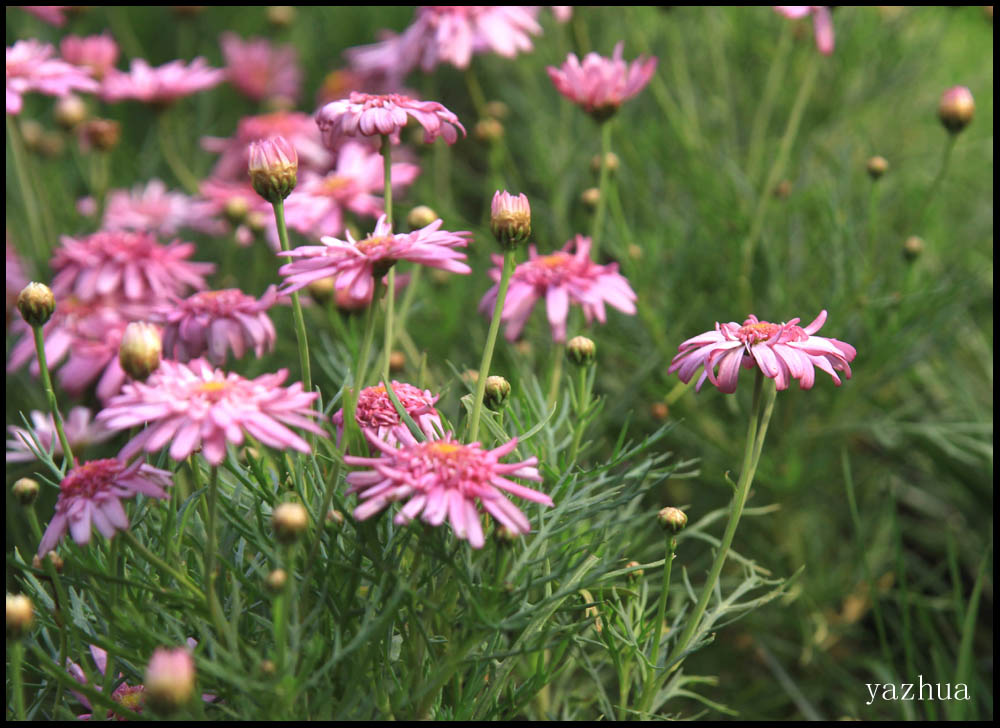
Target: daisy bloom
(561,278)
(781,351)
(80,432)
(214,322)
(376,413)
(444,479)
(260,70)
(91,493)
(356,263)
(128,696)
(31,67)
(133,265)
(195,406)
(161,85)
(297,128)
(600,85)
(98,53)
(51,14)
(371,115)
(155,209)
(822,22)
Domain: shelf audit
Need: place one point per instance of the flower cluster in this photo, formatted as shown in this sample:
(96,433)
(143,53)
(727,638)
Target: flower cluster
(31,68)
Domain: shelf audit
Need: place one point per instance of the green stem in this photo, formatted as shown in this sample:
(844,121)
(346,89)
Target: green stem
(582,403)
(777,170)
(50,394)
(649,689)
(300,324)
(602,188)
(187,179)
(390,297)
(756,430)
(159,563)
(61,611)
(16,652)
(555,379)
(491,339)
(24,184)
(763,113)
(942,171)
(211,549)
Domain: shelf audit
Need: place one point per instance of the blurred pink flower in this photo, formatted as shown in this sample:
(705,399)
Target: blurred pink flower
(30,67)
(600,85)
(194,406)
(370,115)
(161,85)
(317,205)
(14,275)
(91,493)
(356,263)
(213,322)
(51,14)
(298,128)
(375,413)
(561,278)
(444,479)
(822,22)
(154,209)
(80,432)
(170,676)
(261,70)
(128,696)
(133,265)
(99,53)
(562,13)
(781,351)
(223,198)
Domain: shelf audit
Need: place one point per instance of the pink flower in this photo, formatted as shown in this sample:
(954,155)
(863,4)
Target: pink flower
(161,85)
(99,53)
(237,204)
(134,266)
(370,115)
(14,275)
(195,406)
(80,432)
(561,278)
(51,14)
(213,322)
(90,495)
(317,205)
(30,67)
(260,70)
(154,209)
(376,414)
(298,128)
(781,351)
(600,85)
(822,22)
(128,696)
(444,479)
(169,678)
(356,263)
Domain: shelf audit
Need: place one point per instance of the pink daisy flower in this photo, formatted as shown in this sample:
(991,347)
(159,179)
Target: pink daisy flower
(127,696)
(444,479)
(600,85)
(297,128)
(822,22)
(195,406)
(561,278)
(781,351)
(154,209)
(371,115)
(90,495)
(98,53)
(132,265)
(356,263)
(51,14)
(213,322)
(31,67)
(80,432)
(260,70)
(161,85)
(376,414)
(317,205)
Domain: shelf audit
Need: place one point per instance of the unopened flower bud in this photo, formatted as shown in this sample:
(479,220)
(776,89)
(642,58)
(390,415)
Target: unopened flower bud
(20,616)
(877,166)
(590,196)
(672,519)
(397,361)
(36,303)
(421,216)
(268,667)
(70,110)
(634,575)
(281,16)
(510,219)
(25,491)
(274,168)
(913,247)
(488,130)
(102,134)
(256,221)
(497,393)
(496,110)
(611,159)
(634,251)
(505,536)
(322,290)
(782,190)
(334,518)
(289,520)
(140,350)
(56,560)
(659,411)
(276,580)
(236,209)
(32,133)
(169,681)
(581,351)
(956,108)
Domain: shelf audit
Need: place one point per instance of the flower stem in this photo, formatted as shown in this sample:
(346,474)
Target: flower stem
(942,171)
(555,379)
(390,296)
(763,113)
(602,188)
(649,689)
(491,340)
(43,367)
(211,547)
(27,189)
(16,652)
(756,430)
(300,324)
(184,175)
(159,563)
(582,403)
